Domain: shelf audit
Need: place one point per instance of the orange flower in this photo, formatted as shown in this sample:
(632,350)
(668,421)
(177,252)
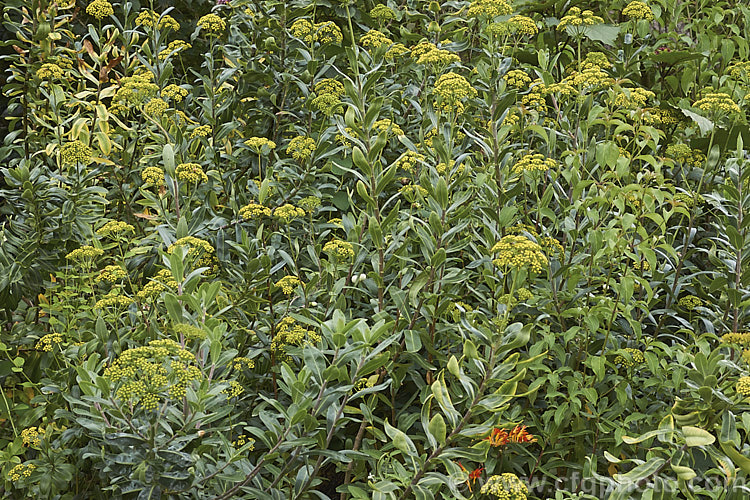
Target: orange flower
(501,437)
(498,437)
(473,475)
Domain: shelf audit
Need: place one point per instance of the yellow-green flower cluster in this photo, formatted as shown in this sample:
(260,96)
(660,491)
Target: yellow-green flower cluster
(329,86)
(636,355)
(288,284)
(288,212)
(382,13)
(50,71)
(421,49)
(342,250)
(301,148)
(517,79)
(197,248)
(743,387)
(160,283)
(524,294)
(254,211)
(146,375)
(32,436)
(396,50)
(717,102)
(505,486)
(660,117)
(242,440)
(551,246)
(638,10)
(535,98)
(48,341)
(741,338)
(451,89)
(190,172)
(260,145)
(135,90)
(596,59)
(309,203)
(328,96)
(688,200)
(21,471)
(155,107)
(576,17)
(323,33)
(534,162)
(410,161)
(174,47)
(188,331)
(100,9)
(113,300)
(388,127)
(151,19)
(291,333)
(212,23)
(201,131)
(489,8)
(234,389)
(689,302)
(241,363)
(591,77)
(633,98)
(112,274)
(412,192)
(175,92)
(519,251)
(75,152)
(85,252)
(522,25)
(438,57)
(153,175)
(375,39)
(739,69)
(682,153)
(442,168)
(115,228)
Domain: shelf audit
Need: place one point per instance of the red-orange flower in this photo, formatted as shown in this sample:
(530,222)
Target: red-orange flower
(473,475)
(501,437)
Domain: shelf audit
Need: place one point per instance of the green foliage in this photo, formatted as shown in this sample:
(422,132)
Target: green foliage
(476,249)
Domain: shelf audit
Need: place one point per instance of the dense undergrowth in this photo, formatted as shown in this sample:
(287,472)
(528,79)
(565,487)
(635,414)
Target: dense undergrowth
(289,250)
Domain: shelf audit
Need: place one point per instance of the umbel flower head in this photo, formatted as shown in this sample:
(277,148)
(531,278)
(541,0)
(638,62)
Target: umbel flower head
(451,89)
(375,39)
(260,145)
(254,211)
(288,284)
(534,162)
(151,19)
(190,172)
(212,24)
(100,9)
(115,228)
(288,212)
(517,79)
(717,103)
(489,8)
(505,486)
(301,148)
(50,71)
(75,152)
(342,250)
(637,358)
(516,25)
(153,175)
(575,17)
(197,248)
(519,251)
(743,387)
(638,10)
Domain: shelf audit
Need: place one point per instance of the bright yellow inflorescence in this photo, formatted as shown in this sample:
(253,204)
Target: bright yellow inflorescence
(47,342)
(689,302)
(717,102)
(637,358)
(260,144)
(505,486)
(288,212)
(388,127)
(153,175)
(155,107)
(254,211)
(301,147)
(382,13)
(342,250)
(173,48)
(517,79)
(534,163)
(638,10)
(576,17)
(324,33)
(291,333)
(160,283)
(176,93)
(32,436)
(21,471)
(199,248)
(212,23)
(112,274)
(375,39)
(50,71)
(519,251)
(113,300)
(288,284)
(151,19)
(84,253)
(75,152)
(743,387)
(489,8)
(741,338)
(410,161)
(309,204)
(201,131)
(115,228)
(451,89)
(241,363)
(682,153)
(191,172)
(438,57)
(146,376)
(100,9)
(633,98)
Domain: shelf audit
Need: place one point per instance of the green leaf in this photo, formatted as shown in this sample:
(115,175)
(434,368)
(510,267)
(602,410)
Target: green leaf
(704,124)
(695,436)
(400,440)
(640,472)
(437,428)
